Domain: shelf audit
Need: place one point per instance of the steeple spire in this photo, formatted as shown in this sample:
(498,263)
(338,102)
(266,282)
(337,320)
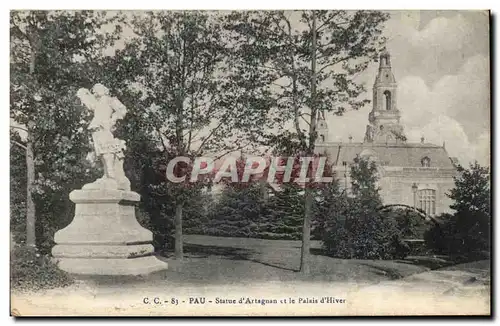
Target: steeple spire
(385,59)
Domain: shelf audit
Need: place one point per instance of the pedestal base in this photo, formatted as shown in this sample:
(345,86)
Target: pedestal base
(105,238)
(112,267)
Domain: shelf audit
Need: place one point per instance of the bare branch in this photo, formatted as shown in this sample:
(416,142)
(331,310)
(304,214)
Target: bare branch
(285,87)
(308,123)
(161,138)
(328,21)
(208,137)
(18,144)
(232,150)
(277,22)
(20,128)
(333,64)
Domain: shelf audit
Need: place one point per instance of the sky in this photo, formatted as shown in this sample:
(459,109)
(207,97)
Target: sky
(440,60)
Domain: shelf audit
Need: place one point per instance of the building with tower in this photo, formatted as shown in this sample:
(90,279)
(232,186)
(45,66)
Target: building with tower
(416,174)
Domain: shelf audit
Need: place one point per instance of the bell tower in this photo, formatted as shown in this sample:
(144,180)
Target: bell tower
(385,117)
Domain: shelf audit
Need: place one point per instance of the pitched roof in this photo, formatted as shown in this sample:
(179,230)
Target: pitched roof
(401,154)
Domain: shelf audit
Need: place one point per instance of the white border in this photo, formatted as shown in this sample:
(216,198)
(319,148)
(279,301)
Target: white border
(148,4)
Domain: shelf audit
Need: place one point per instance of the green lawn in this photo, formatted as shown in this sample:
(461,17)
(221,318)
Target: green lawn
(220,260)
(235,267)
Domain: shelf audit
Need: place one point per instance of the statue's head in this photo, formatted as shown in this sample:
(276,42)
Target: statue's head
(100,90)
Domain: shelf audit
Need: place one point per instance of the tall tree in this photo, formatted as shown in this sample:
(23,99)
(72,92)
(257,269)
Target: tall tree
(331,206)
(466,232)
(178,77)
(49,56)
(364,180)
(285,214)
(311,59)
(471,193)
(237,212)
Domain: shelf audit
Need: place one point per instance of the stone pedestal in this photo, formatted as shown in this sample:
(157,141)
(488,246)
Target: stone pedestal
(104,237)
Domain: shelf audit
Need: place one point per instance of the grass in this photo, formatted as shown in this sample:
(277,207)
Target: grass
(220,260)
(236,267)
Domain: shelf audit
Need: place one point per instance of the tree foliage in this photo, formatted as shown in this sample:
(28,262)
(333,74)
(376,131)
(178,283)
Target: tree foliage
(176,75)
(31,270)
(471,193)
(358,229)
(52,55)
(237,212)
(309,59)
(466,234)
(278,47)
(285,214)
(194,83)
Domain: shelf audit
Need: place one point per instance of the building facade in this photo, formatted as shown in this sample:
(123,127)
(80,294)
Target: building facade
(415,174)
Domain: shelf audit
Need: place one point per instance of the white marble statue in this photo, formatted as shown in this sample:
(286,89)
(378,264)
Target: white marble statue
(107,110)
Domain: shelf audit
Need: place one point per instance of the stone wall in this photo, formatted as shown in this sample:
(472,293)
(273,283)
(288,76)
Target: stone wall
(396,184)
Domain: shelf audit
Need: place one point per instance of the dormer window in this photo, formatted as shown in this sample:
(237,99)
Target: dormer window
(426,162)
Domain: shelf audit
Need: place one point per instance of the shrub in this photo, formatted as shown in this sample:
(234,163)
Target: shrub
(465,235)
(236,213)
(357,229)
(462,236)
(336,241)
(283,215)
(373,236)
(31,270)
(410,223)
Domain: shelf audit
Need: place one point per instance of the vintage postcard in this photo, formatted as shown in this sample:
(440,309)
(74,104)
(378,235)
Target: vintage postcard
(250,163)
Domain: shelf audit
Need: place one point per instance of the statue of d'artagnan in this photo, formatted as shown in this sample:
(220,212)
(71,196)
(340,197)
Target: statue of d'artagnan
(107,110)
(104,237)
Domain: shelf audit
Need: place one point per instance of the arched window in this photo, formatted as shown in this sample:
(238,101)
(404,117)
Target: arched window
(322,137)
(426,201)
(387,99)
(426,162)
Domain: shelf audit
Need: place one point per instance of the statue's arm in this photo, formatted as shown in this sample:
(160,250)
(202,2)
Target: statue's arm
(87,98)
(119,109)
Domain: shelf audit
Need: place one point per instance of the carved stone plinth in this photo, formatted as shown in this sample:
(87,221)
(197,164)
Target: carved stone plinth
(105,238)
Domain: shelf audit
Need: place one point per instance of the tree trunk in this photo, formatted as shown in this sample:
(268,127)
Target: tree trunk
(306,227)
(264,191)
(179,249)
(30,161)
(30,204)
(305,252)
